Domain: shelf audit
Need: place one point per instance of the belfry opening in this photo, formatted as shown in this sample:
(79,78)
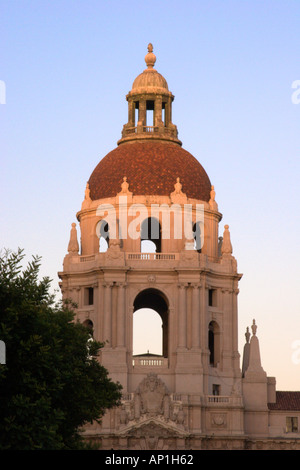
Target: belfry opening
(155,300)
(151,235)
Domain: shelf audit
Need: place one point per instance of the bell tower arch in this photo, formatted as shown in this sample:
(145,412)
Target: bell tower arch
(154,299)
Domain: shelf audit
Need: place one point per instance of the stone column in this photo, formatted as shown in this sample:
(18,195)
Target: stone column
(227,350)
(172,327)
(204,320)
(168,112)
(107,315)
(131,114)
(158,111)
(195,318)
(142,112)
(121,316)
(182,317)
(204,317)
(236,354)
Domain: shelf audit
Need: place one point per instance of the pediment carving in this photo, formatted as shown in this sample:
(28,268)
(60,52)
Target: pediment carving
(154,434)
(152,396)
(155,428)
(152,401)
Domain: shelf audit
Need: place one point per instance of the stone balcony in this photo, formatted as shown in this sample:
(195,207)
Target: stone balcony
(161,132)
(148,361)
(149,130)
(222,400)
(188,258)
(152,256)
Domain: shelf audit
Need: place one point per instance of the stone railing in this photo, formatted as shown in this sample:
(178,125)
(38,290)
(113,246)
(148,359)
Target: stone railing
(150,129)
(85,259)
(146,361)
(222,400)
(127,131)
(152,256)
(127,396)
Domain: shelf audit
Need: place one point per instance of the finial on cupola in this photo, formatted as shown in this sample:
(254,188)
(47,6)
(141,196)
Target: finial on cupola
(150,58)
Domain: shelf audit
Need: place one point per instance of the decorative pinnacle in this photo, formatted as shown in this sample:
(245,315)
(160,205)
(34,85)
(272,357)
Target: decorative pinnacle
(150,58)
(247,334)
(254,328)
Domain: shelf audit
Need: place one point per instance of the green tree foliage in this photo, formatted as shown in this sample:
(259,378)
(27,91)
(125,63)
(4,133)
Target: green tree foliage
(52,383)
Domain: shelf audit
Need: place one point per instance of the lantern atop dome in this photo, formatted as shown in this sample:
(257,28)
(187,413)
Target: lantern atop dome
(150,107)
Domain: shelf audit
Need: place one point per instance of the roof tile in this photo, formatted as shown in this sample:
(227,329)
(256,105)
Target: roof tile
(286,401)
(151,168)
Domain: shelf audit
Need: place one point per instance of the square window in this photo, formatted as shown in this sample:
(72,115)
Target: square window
(212,297)
(291,424)
(88,296)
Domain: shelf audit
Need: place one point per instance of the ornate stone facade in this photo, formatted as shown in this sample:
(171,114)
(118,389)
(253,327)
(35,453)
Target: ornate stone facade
(194,395)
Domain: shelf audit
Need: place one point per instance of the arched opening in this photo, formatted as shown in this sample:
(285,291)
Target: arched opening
(163,113)
(197,233)
(151,235)
(214,343)
(152,305)
(89,325)
(149,113)
(147,332)
(103,234)
(148,246)
(136,113)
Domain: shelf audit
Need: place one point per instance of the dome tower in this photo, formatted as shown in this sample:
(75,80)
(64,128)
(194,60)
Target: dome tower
(149,239)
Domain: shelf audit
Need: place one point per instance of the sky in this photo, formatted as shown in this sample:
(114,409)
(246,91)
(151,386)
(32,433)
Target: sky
(66,67)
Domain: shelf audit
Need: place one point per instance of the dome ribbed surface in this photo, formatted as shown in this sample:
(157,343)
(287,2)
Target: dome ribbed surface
(149,78)
(151,168)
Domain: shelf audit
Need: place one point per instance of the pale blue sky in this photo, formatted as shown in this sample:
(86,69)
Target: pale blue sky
(67,66)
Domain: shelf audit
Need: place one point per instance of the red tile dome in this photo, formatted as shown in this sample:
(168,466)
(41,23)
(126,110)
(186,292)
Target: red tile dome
(151,168)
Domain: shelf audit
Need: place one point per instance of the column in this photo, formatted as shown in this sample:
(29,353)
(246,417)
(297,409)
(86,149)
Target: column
(227,350)
(142,112)
(236,354)
(195,318)
(121,316)
(158,111)
(107,315)
(182,317)
(131,113)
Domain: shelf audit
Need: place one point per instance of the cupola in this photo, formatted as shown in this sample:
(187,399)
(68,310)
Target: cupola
(150,107)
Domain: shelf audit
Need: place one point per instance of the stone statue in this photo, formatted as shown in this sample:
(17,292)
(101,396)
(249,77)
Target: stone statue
(178,196)
(247,334)
(212,202)
(73,247)
(226,244)
(254,328)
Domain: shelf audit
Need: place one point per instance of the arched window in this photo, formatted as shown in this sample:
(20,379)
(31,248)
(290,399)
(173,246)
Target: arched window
(147,246)
(214,343)
(151,232)
(147,332)
(103,234)
(90,326)
(197,233)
